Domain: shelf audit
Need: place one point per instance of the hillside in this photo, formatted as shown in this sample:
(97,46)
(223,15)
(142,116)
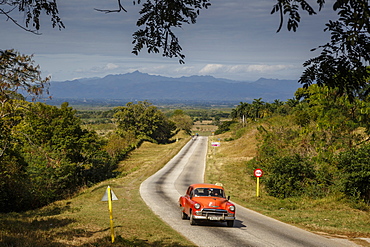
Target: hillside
(331,216)
(140,86)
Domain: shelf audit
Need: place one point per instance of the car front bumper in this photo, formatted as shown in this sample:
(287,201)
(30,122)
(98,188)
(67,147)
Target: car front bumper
(214,218)
(219,215)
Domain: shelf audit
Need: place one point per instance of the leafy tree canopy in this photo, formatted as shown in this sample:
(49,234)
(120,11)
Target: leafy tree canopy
(46,155)
(32,10)
(19,73)
(343,62)
(144,121)
(324,106)
(182,121)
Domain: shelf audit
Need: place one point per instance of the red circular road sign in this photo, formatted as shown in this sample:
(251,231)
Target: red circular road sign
(258,173)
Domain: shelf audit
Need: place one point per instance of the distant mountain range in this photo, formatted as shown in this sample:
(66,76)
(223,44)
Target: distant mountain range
(140,86)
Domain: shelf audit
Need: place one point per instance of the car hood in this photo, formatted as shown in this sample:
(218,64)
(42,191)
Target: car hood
(212,202)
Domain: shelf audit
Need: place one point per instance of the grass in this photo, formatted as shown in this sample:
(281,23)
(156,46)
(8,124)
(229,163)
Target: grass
(333,215)
(84,219)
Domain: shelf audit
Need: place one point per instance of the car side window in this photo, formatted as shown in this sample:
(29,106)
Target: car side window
(189,191)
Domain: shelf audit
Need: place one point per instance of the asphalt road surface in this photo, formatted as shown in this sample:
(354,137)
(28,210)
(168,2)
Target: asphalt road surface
(162,191)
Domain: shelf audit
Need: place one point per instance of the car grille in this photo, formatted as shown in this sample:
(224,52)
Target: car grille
(211,211)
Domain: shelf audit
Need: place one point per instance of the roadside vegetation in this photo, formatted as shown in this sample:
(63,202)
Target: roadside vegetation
(83,220)
(314,152)
(46,155)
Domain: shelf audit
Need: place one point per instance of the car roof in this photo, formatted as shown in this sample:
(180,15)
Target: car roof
(206,186)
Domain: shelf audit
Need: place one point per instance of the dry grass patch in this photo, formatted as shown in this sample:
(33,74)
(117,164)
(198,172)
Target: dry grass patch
(84,219)
(226,164)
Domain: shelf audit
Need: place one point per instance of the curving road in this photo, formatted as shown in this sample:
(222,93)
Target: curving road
(162,191)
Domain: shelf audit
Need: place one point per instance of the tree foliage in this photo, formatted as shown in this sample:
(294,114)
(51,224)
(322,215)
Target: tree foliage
(319,148)
(48,157)
(182,121)
(159,18)
(289,176)
(323,106)
(292,8)
(225,126)
(354,166)
(18,73)
(144,121)
(343,62)
(259,109)
(32,10)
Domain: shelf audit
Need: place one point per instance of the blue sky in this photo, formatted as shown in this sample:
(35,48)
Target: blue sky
(234,39)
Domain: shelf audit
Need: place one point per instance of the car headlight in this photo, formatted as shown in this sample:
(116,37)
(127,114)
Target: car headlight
(197,206)
(232,208)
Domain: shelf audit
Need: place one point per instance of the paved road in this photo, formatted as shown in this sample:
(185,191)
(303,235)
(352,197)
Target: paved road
(162,191)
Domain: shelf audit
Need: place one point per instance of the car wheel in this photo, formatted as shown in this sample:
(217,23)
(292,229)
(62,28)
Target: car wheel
(192,220)
(230,223)
(184,216)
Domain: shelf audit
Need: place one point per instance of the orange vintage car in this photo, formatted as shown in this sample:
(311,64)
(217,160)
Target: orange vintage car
(207,202)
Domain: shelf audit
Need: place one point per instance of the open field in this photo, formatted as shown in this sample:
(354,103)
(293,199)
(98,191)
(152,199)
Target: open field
(204,128)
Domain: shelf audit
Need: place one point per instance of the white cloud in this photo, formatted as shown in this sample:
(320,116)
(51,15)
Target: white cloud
(111,66)
(98,70)
(262,68)
(251,72)
(213,68)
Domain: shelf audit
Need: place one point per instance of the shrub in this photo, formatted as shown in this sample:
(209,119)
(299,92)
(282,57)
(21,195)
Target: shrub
(289,176)
(355,169)
(224,127)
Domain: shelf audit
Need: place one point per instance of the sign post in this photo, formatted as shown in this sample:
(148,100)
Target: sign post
(216,144)
(258,173)
(110,196)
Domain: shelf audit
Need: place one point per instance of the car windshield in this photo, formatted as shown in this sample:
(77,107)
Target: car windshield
(208,192)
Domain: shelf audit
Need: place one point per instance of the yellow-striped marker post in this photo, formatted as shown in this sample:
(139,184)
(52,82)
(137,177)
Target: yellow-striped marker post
(110,196)
(110,208)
